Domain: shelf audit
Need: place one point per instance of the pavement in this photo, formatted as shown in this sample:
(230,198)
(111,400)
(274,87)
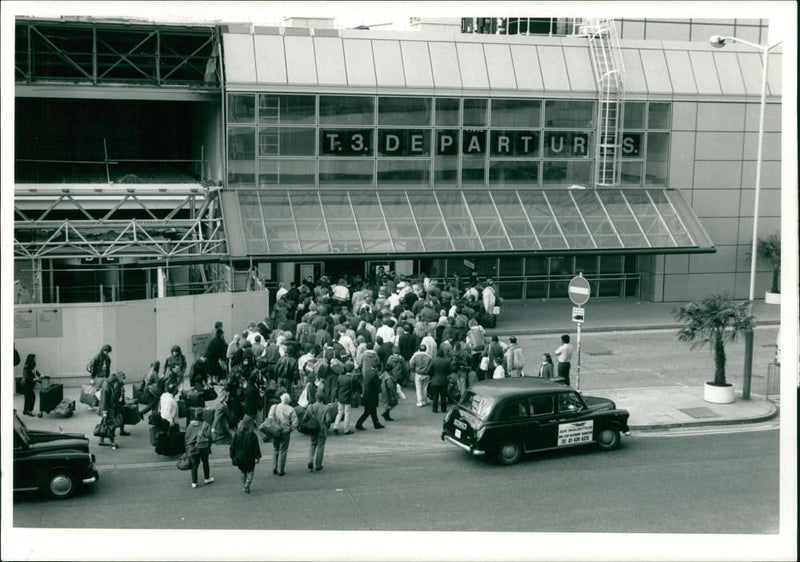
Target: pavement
(652,405)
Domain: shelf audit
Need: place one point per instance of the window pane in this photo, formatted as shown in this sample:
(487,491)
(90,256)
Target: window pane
(286,141)
(658,116)
(610,287)
(345,142)
(611,264)
(572,114)
(445,171)
(241,156)
(475,112)
(657,155)
(404,172)
(473,170)
(404,111)
(535,265)
(241,108)
(632,145)
(536,290)
(511,290)
(346,110)
(634,115)
(286,109)
(447,112)
(346,172)
(510,266)
(567,173)
(587,264)
(287,172)
(514,173)
(516,113)
(631,174)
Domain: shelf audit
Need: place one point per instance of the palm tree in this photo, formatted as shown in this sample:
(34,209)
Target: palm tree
(714,320)
(769,248)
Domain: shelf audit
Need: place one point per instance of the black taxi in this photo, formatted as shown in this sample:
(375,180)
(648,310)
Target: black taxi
(57,464)
(509,417)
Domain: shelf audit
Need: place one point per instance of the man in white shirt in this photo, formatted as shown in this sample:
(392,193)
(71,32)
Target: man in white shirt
(386,330)
(564,356)
(168,406)
(282,290)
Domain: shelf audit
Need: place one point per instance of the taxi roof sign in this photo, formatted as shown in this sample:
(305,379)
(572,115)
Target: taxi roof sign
(578,290)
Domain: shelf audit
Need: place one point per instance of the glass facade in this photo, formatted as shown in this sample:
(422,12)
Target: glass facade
(389,142)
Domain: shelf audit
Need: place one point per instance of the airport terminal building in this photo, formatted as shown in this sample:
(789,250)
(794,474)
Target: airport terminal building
(157,159)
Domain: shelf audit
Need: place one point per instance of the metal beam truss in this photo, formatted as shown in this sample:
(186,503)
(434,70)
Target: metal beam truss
(114,53)
(119,223)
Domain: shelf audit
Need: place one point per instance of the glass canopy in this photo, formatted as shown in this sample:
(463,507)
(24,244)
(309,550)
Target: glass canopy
(283,223)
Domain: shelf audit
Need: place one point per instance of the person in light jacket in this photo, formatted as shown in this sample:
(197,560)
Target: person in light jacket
(220,427)
(245,451)
(287,418)
(515,360)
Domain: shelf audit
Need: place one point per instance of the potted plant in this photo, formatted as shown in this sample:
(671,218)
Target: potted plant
(769,248)
(715,320)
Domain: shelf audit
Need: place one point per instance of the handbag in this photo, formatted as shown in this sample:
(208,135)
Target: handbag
(484,366)
(209,393)
(303,399)
(184,463)
(309,424)
(104,429)
(496,310)
(270,429)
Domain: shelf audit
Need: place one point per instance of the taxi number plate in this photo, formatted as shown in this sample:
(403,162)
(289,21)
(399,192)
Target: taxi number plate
(459,423)
(458,434)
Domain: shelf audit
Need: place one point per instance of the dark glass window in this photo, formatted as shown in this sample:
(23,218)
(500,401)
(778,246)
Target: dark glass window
(404,142)
(658,116)
(473,170)
(634,115)
(516,113)
(404,172)
(286,141)
(241,108)
(657,159)
(346,110)
(535,265)
(511,143)
(514,173)
(346,172)
(404,111)
(569,113)
(291,109)
(567,172)
(447,112)
(542,405)
(475,112)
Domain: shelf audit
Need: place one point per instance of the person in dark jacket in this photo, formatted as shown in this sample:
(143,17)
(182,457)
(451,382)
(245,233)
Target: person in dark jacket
(198,447)
(198,375)
(546,369)
(216,355)
(369,399)
(345,386)
(252,397)
(319,410)
(29,377)
(245,451)
(440,370)
(100,366)
(109,408)
(175,365)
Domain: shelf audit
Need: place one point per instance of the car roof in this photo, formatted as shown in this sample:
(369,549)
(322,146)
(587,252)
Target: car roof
(502,388)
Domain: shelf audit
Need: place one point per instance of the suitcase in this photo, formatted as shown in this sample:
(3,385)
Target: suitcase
(172,443)
(88,396)
(130,414)
(50,396)
(208,415)
(154,433)
(488,321)
(194,413)
(65,408)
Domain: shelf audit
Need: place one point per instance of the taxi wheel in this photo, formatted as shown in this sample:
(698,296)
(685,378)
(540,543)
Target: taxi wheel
(608,439)
(509,453)
(60,484)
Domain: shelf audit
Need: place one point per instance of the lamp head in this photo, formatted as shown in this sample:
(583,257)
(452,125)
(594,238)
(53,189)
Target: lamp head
(717,41)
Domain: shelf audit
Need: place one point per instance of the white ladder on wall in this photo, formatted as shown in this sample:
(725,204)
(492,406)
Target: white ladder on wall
(609,74)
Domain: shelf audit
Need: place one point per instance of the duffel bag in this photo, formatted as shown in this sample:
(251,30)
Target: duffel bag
(308,424)
(269,429)
(184,463)
(88,396)
(65,408)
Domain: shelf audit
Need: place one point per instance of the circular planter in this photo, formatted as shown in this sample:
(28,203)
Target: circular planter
(719,394)
(772,298)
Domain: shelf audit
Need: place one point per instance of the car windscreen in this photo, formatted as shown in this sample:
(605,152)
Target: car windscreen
(477,404)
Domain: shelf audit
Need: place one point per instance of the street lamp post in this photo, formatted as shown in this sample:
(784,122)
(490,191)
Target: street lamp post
(719,42)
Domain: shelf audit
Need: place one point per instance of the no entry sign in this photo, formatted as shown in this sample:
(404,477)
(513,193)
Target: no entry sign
(579,290)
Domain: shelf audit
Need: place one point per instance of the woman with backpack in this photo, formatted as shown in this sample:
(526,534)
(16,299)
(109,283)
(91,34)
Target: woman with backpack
(198,447)
(245,451)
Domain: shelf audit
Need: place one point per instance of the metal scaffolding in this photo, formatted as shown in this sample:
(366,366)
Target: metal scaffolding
(139,222)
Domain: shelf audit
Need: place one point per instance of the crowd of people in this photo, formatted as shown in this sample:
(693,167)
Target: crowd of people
(353,343)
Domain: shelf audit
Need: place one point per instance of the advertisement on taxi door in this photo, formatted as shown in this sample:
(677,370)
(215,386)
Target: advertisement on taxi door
(574,433)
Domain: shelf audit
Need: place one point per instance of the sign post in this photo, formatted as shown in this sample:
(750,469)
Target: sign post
(579,291)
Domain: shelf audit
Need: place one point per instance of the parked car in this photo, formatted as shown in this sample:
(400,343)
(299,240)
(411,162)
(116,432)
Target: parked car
(54,463)
(507,418)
